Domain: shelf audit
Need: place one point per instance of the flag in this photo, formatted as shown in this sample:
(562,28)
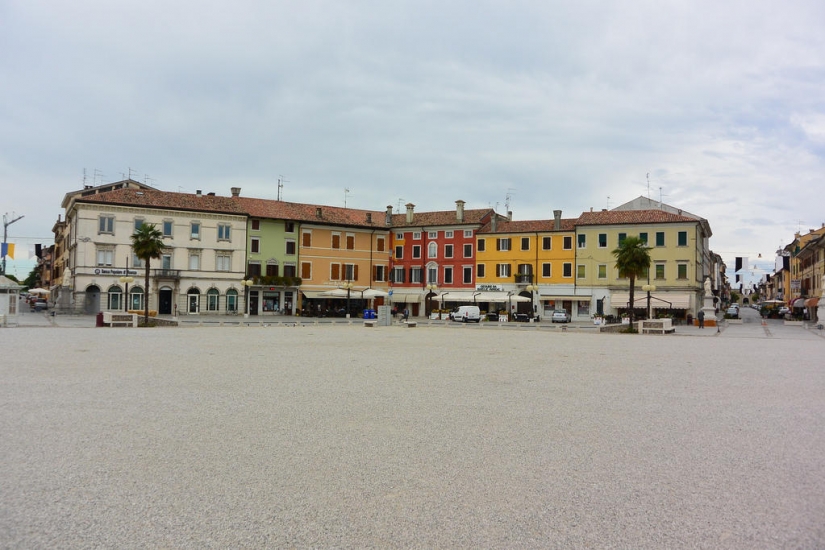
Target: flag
(8,250)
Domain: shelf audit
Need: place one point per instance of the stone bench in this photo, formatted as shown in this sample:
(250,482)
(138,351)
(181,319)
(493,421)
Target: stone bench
(656,326)
(370,323)
(119,319)
(411,324)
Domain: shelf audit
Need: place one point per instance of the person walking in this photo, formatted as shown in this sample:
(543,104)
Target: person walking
(406,314)
(701,319)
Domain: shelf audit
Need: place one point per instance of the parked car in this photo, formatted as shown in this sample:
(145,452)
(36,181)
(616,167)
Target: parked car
(783,310)
(465,314)
(560,316)
(733,312)
(40,305)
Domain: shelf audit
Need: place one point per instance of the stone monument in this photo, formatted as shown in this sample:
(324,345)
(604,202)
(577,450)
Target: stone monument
(708,307)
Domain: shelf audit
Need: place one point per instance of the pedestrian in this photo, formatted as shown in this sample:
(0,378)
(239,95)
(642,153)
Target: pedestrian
(406,314)
(701,319)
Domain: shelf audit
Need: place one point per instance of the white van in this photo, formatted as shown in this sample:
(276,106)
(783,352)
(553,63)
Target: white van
(465,314)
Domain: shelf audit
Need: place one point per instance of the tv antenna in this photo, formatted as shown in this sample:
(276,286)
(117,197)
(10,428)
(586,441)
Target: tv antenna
(608,202)
(346,192)
(400,200)
(507,198)
(648,186)
(97,173)
(281,182)
(660,197)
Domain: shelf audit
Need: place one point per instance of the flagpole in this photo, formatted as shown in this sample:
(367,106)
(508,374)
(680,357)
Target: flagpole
(6,225)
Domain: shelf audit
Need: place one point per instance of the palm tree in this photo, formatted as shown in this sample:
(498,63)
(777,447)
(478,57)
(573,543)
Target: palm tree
(633,261)
(147,242)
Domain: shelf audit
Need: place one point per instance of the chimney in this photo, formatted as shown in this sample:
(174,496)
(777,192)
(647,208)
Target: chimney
(493,222)
(410,206)
(557,220)
(509,215)
(369,217)
(459,211)
(318,213)
(388,219)
(211,194)
(236,191)
(198,192)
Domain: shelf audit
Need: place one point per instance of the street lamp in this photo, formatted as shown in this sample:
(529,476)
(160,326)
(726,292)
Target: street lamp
(649,288)
(348,285)
(246,283)
(431,287)
(531,288)
(126,279)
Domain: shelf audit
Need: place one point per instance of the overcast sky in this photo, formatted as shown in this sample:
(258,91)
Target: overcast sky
(563,105)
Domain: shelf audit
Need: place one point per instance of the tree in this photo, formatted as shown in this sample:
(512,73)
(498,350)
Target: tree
(632,261)
(147,242)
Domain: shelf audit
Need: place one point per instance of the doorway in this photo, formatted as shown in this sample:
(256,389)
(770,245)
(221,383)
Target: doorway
(165,301)
(91,303)
(253,303)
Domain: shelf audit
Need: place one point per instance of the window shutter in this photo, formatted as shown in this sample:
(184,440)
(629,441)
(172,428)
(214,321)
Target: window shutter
(336,272)
(498,244)
(307,240)
(355,272)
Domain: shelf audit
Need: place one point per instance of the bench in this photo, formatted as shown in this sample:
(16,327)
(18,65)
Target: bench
(656,326)
(370,323)
(119,319)
(411,324)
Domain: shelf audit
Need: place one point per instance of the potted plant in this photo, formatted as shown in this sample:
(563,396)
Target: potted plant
(625,318)
(598,319)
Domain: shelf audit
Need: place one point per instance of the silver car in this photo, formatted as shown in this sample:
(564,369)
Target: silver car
(560,316)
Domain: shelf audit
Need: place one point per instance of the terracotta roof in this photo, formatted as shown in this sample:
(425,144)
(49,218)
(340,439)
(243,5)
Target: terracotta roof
(334,215)
(620,217)
(445,217)
(529,226)
(152,198)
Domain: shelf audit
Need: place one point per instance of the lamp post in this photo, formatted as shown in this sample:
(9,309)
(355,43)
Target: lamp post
(348,285)
(649,288)
(531,288)
(126,279)
(431,287)
(246,283)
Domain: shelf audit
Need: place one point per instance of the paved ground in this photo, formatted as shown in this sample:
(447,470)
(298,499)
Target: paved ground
(434,437)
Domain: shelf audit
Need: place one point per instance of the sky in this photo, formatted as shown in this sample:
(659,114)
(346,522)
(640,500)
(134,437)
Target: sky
(713,107)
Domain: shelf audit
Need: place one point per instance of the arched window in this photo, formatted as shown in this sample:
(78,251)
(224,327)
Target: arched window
(212,298)
(136,298)
(115,297)
(232,300)
(432,250)
(193,300)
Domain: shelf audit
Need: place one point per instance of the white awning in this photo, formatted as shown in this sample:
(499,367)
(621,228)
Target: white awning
(457,296)
(405,297)
(313,294)
(658,300)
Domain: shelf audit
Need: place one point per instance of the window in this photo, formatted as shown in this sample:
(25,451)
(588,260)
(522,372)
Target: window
(167,228)
(271,269)
(643,238)
(525,243)
(291,247)
(350,241)
(468,233)
(622,237)
(336,240)
(289,227)
(335,272)
(480,271)
(138,223)
(546,243)
(306,239)
(582,240)
(106,224)
(580,271)
(660,238)
(660,271)
(416,251)
(448,234)
(602,271)
(379,244)
(166,261)
(416,235)
(681,271)
(567,270)
(115,295)
(481,245)
(503,244)
(682,238)
(432,234)
(568,243)
(135,298)
(194,261)
(399,252)
(212,299)
(432,275)
(223,231)
(306,270)
(256,225)
(546,270)
(468,251)
(432,250)
(397,275)
(136,262)
(415,275)
(351,272)
(602,240)
(448,251)
(380,273)
(195,230)
(502,270)
(254,269)
(105,256)
(399,236)
(468,275)
(255,245)
(223,262)
(231,300)
(290,270)
(448,275)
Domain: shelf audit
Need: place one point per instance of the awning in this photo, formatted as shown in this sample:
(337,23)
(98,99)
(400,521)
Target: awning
(313,294)
(658,300)
(405,298)
(568,297)
(812,302)
(457,296)
(799,302)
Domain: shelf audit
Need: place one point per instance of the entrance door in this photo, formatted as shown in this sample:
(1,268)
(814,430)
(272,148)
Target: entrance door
(91,304)
(253,303)
(193,303)
(165,301)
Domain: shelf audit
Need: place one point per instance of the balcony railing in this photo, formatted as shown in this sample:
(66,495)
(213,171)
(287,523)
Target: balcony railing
(524,278)
(167,274)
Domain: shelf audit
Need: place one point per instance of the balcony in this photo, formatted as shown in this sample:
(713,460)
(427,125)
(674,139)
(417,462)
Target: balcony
(167,274)
(524,278)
